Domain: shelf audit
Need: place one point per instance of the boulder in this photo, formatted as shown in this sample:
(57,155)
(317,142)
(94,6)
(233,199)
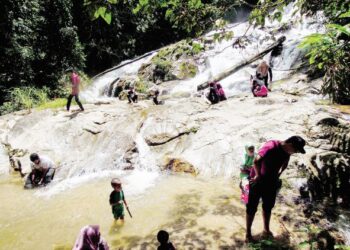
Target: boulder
(180,166)
(171,63)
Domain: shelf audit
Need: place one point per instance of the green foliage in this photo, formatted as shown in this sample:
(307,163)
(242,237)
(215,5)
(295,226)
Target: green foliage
(24,98)
(53,104)
(271,9)
(189,16)
(331,55)
(141,86)
(342,247)
(269,245)
(187,70)
(39,43)
(328,53)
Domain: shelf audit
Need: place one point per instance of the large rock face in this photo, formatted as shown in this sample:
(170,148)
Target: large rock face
(330,169)
(171,63)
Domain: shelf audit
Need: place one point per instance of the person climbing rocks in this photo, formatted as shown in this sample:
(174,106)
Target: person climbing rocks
(90,238)
(155,98)
(263,71)
(75,81)
(117,200)
(258,87)
(269,164)
(221,92)
(43,171)
(132,96)
(213,95)
(163,239)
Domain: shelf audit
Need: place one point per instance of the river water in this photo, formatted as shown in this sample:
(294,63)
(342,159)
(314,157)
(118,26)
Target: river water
(203,213)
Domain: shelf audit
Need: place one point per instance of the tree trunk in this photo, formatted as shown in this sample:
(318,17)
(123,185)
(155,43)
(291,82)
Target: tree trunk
(235,68)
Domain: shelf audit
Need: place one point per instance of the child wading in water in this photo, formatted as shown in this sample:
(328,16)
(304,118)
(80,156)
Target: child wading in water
(117,200)
(245,172)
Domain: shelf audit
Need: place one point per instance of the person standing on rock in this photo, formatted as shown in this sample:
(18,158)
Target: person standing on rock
(269,164)
(263,71)
(75,81)
(43,171)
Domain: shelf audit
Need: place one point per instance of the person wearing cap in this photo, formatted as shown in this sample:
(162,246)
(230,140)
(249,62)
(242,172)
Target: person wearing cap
(43,171)
(117,199)
(270,162)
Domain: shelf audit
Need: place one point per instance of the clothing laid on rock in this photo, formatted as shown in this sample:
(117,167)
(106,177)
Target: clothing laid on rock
(117,209)
(90,239)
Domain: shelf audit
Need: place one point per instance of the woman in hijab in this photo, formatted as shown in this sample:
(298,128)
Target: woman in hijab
(90,239)
(221,92)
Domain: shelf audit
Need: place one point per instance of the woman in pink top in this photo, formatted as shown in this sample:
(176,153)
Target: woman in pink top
(75,81)
(261,91)
(221,92)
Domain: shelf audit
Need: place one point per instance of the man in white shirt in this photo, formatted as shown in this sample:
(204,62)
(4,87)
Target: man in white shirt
(43,170)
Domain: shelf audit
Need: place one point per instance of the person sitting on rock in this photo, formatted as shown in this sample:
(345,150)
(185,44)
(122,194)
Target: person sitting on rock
(43,171)
(270,162)
(132,96)
(221,92)
(163,239)
(263,72)
(90,238)
(258,87)
(213,95)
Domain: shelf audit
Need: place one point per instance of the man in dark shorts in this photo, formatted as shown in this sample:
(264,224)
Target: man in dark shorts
(269,164)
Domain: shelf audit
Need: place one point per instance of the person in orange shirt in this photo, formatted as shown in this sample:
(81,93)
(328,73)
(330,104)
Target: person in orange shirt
(75,81)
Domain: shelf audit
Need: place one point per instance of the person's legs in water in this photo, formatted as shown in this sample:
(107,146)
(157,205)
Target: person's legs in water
(268,196)
(69,100)
(78,102)
(251,208)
